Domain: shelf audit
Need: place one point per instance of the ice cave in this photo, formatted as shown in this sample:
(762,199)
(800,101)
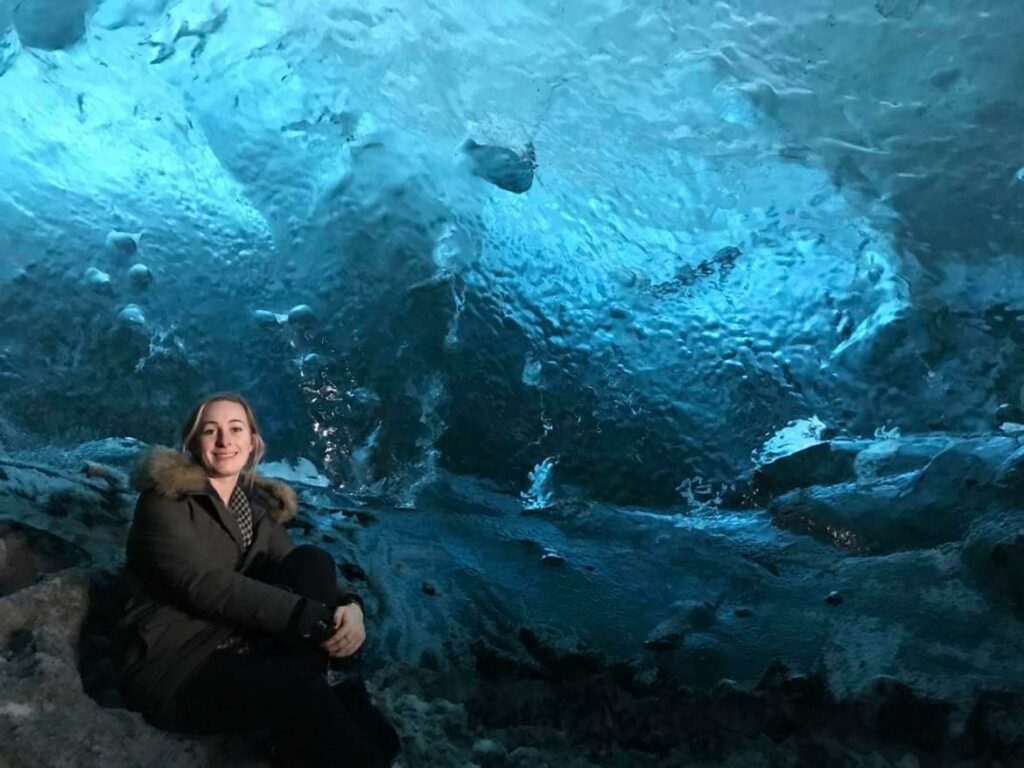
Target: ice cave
(651,368)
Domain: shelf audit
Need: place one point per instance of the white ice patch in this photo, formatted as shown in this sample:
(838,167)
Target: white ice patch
(540,494)
(887,433)
(15,709)
(531,371)
(795,436)
(96,277)
(302,471)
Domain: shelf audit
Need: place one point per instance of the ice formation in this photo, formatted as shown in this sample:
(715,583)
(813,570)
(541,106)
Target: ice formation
(680,336)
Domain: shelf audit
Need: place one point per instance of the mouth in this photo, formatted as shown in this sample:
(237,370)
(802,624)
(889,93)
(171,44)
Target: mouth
(222,456)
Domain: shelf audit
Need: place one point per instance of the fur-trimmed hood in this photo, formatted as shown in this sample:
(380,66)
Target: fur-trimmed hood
(172,473)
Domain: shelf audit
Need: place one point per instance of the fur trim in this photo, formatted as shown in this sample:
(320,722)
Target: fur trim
(282,501)
(172,473)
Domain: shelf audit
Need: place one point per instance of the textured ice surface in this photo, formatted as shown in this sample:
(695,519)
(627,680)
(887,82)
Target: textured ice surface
(524,271)
(737,218)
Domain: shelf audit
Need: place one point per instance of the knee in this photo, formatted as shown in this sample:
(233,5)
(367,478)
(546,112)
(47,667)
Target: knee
(311,556)
(310,571)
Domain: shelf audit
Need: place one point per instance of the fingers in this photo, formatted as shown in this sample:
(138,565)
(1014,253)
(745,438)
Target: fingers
(345,642)
(349,632)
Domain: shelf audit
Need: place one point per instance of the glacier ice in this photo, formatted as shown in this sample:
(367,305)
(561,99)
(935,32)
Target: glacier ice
(746,282)
(695,264)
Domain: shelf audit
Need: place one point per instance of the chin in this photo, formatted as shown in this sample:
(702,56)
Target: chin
(225,469)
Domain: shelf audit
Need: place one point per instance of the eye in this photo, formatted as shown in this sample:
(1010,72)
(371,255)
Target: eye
(236,429)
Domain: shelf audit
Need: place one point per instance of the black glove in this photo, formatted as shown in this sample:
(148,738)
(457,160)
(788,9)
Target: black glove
(312,620)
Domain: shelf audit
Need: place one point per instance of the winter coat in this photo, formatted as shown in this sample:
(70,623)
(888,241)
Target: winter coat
(190,585)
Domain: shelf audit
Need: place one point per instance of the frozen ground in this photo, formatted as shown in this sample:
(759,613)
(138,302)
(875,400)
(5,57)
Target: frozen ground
(617,636)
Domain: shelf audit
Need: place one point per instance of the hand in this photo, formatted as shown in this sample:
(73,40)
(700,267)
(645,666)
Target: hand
(349,632)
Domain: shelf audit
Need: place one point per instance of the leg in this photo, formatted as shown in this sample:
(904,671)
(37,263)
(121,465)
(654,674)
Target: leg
(243,692)
(370,721)
(308,571)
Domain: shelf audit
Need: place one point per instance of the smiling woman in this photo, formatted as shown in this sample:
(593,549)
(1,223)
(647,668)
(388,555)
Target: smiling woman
(229,626)
(224,438)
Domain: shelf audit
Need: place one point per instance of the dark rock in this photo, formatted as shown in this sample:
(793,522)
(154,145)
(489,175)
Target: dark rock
(848,516)
(26,553)
(899,455)
(552,558)
(932,506)
(834,598)
(352,571)
(897,9)
(1010,476)
(824,463)
(113,479)
(1009,412)
(47,717)
(493,663)
(503,167)
(994,553)
(363,517)
(563,656)
(995,727)
(666,635)
(528,757)
(489,753)
(95,651)
(687,616)
(965,472)
(702,615)
(794,704)
(19,642)
(428,588)
(703,659)
(50,24)
(892,710)
(739,709)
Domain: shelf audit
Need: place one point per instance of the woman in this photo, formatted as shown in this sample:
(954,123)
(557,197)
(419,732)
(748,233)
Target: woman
(229,626)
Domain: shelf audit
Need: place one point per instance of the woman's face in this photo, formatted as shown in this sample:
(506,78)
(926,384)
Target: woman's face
(224,440)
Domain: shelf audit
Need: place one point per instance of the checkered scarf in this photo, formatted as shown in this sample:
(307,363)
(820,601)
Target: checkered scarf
(243,513)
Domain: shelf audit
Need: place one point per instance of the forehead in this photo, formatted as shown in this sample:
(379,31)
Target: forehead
(223,410)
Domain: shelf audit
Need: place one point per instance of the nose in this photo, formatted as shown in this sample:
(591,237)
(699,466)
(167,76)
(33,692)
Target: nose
(222,439)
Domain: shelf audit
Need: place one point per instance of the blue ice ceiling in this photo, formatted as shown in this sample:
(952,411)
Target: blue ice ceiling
(614,245)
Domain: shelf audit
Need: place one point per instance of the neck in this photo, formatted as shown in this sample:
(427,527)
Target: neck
(224,486)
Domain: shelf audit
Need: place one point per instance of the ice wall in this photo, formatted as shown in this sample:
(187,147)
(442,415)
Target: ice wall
(740,215)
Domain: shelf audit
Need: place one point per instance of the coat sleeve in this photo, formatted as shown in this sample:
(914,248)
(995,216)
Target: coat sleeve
(279,544)
(165,551)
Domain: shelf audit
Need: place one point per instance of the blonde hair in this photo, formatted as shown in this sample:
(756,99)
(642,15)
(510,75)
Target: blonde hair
(190,429)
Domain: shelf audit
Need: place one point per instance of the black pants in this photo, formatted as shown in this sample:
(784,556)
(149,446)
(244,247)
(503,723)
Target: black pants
(281,686)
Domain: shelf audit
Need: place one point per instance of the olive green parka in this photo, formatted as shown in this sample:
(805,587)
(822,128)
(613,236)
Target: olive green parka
(190,584)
